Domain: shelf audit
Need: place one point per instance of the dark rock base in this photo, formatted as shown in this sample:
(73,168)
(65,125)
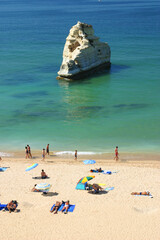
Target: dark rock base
(84,74)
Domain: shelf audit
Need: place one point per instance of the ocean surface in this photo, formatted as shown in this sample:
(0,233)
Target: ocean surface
(120,107)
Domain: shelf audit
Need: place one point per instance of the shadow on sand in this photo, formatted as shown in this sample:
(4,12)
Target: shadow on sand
(100,193)
(50,194)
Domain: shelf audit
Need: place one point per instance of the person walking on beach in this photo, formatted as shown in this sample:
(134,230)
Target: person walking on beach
(29,151)
(75,155)
(116,153)
(43,154)
(26,151)
(47,149)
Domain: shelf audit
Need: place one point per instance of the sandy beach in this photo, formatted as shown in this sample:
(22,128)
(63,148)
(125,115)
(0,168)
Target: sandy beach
(111,215)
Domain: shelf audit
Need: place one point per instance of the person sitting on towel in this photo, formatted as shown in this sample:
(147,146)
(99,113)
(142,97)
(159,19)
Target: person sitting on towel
(12,206)
(43,174)
(141,193)
(88,186)
(96,188)
(66,206)
(56,207)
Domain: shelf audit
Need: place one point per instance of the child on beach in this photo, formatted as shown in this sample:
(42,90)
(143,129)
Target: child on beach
(75,156)
(47,149)
(116,153)
(43,154)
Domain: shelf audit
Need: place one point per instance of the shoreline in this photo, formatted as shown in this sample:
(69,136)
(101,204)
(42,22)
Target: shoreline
(101,158)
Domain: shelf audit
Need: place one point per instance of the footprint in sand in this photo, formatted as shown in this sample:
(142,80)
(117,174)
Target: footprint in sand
(146,210)
(27,204)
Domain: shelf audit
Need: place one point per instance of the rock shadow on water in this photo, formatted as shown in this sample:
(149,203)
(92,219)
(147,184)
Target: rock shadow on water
(87,79)
(18,79)
(118,68)
(30,94)
(131,106)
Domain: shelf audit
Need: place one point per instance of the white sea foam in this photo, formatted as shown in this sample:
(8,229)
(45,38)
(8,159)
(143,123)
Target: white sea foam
(79,153)
(3,154)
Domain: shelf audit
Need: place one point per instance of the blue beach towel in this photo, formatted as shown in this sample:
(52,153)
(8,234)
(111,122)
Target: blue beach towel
(2,206)
(95,171)
(145,195)
(70,209)
(108,172)
(109,188)
(2,169)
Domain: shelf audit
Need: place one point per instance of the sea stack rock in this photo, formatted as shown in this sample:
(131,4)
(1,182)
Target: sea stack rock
(83,53)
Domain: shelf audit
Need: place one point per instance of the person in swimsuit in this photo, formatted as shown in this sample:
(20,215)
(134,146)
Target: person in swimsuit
(26,151)
(34,189)
(66,206)
(56,207)
(75,155)
(47,149)
(141,193)
(97,170)
(43,154)
(29,151)
(43,174)
(12,206)
(116,153)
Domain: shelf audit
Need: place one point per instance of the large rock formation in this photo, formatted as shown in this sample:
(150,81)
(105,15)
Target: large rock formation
(83,53)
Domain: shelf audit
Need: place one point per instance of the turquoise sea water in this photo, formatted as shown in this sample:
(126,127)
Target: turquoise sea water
(121,107)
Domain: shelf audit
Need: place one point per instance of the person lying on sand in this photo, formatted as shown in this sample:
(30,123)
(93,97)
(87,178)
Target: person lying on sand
(97,169)
(12,206)
(66,206)
(43,174)
(141,193)
(34,189)
(56,207)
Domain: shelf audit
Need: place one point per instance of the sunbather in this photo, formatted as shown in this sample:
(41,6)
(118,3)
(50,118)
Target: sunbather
(34,189)
(56,207)
(96,188)
(97,170)
(141,193)
(66,206)
(12,206)
(43,174)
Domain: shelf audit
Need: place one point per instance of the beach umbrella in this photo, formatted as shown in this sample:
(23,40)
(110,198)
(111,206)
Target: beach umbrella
(31,167)
(86,179)
(44,187)
(89,161)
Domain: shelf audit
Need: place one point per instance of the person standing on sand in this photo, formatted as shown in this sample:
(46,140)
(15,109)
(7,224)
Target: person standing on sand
(75,155)
(43,154)
(47,149)
(26,151)
(29,151)
(116,153)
